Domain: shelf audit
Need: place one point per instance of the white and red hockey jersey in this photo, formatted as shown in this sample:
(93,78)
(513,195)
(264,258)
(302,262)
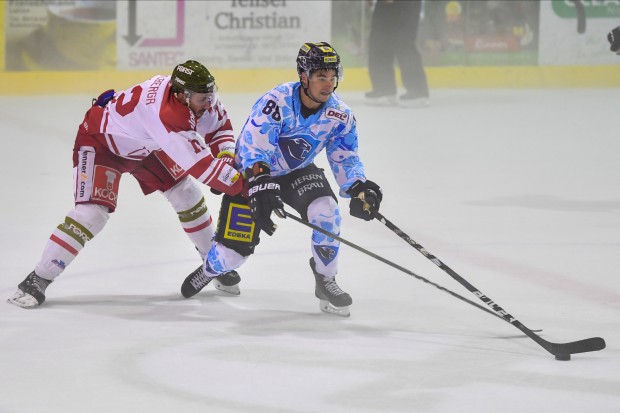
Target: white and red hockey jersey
(148,118)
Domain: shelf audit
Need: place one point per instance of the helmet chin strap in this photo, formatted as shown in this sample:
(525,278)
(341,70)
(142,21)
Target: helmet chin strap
(305,89)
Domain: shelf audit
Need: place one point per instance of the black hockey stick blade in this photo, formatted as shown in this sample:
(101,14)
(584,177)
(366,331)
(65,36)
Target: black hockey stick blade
(582,346)
(563,349)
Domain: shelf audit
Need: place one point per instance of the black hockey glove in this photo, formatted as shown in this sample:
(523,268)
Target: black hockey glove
(614,40)
(365,199)
(264,197)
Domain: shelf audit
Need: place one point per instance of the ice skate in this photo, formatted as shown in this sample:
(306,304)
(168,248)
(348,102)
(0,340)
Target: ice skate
(197,280)
(411,101)
(332,299)
(380,99)
(31,292)
(228,282)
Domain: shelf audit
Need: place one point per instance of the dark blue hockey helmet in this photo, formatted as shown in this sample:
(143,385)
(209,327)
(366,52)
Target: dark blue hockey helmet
(317,56)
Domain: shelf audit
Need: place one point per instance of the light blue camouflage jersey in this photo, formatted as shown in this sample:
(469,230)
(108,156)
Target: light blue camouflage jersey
(276,133)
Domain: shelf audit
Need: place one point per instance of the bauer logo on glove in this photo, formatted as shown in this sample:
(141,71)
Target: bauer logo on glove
(263,187)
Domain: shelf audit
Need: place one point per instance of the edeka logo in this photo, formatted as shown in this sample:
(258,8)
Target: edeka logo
(566,9)
(239,225)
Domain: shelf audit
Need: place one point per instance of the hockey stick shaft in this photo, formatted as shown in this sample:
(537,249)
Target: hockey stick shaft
(581,346)
(390,263)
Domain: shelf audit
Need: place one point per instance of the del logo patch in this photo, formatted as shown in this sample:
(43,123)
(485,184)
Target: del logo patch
(337,115)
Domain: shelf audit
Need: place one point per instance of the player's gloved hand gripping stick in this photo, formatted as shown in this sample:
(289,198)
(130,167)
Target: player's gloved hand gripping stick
(365,198)
(264,196)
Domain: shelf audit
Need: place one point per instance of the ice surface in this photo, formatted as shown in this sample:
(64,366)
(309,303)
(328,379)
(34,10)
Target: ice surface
(517,191)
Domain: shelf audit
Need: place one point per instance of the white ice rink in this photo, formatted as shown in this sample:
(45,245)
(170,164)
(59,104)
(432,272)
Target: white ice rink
(517,191)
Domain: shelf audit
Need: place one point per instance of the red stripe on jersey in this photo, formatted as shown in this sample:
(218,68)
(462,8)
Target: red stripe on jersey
(225,128)
(201,166)
(112,144)
(214,172)
(221,139)
(199,227)
(105,123)
(63,244)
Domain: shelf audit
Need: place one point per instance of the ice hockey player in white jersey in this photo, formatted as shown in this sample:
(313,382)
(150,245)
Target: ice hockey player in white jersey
(163,131)
(288,127)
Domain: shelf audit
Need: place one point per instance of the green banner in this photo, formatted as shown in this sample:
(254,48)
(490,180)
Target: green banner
(567,9)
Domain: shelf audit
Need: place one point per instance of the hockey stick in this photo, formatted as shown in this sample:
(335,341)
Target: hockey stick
(390,263)
(561,351)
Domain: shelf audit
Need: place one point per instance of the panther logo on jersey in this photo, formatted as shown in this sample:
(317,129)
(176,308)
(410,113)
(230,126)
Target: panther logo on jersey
(325,253)
(294,151)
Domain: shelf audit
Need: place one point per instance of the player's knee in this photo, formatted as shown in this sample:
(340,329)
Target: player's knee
(184,195)
(324,210)
(222,259)
(91,216)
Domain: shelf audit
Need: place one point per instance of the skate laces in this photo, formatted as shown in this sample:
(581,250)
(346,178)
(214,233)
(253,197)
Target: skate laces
(40,284)
(200,279)
(332,287)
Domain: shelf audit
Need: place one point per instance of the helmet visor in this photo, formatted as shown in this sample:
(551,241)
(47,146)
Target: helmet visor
(202,99)
(312,64)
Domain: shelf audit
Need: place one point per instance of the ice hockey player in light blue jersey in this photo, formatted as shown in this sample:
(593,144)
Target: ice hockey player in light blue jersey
(278,134)
(288,127)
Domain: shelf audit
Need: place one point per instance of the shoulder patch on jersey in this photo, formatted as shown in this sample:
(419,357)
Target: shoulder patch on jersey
(336,114)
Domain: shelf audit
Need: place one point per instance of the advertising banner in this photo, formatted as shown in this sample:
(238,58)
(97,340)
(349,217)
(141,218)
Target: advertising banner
(157,34)
(479,33)
(226,34)
(575,32)
(60,35)
(145,35)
